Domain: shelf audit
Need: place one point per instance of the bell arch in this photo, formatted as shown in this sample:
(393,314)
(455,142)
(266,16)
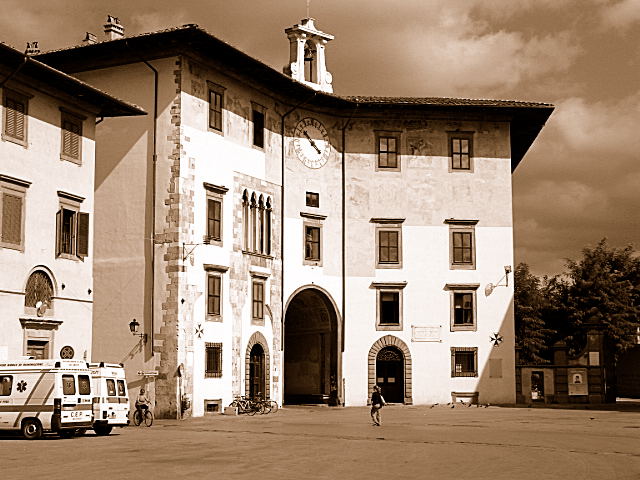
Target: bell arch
(257,339)
(391,341)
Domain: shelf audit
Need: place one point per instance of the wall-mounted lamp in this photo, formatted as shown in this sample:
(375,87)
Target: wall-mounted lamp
(507,271)
(134,326)
(490,287)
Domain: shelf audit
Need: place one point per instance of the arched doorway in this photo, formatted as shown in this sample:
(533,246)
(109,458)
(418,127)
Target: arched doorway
(311,360)
(257,377)
(390,374)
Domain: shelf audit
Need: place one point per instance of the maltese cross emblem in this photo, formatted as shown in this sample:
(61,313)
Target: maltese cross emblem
(496,339)
(199,330)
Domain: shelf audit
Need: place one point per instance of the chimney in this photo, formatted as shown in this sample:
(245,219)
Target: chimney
(112,29)
(32,48)
(90,38)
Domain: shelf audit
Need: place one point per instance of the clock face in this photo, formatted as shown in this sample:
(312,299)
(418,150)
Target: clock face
(311,142)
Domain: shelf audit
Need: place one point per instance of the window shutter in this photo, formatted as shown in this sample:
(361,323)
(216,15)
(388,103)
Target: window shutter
(71,139)
(11,219)
(83,235)
(15,119)
(58,232)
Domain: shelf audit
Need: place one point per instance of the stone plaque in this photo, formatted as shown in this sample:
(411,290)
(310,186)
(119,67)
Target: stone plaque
(594,359)
(426,333)
(578,381)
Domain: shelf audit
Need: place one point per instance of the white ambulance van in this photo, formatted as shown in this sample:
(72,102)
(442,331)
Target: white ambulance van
(110,397)
(39,396)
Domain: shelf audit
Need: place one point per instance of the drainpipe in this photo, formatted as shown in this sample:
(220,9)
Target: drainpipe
(344,235)
(153,191)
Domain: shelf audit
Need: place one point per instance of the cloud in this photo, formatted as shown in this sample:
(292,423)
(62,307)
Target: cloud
(622,14)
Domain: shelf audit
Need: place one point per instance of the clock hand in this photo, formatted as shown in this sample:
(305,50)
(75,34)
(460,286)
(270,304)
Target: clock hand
(313,144)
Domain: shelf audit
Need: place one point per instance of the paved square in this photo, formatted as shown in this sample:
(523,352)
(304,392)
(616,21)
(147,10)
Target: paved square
(340,443)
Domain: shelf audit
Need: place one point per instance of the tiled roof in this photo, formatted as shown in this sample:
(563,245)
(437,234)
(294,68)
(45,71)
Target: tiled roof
(444,101)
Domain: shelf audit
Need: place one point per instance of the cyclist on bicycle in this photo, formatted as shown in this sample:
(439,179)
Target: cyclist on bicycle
(142,402)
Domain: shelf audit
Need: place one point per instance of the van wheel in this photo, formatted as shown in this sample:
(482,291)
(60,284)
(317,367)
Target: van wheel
(31,429)
(102,430)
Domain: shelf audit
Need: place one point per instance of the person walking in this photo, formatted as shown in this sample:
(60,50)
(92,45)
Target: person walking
(377,402)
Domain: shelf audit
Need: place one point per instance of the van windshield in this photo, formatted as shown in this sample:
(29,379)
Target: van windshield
(84,385)
(111,387)
(68,385)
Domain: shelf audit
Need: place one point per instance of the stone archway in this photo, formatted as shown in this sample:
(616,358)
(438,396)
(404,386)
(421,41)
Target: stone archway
(391,341)
(257,338)
(312,337)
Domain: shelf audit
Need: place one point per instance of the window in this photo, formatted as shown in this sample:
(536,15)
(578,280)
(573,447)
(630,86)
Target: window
(215,195)
(388,242)
(15,117)
(461,151)
(12,204)
(6,381)
(258,127)
(463,306)
(312,199)
(213,360)
(216,105)
(71,137)
(38,349)
(312,243)
(122,390)
(214,292)
(72,228)
(257,301)
(256,223)
(68,385)
(111,387)
(84,385)
(464,361)
(462,244)
(389,305)
(388,148)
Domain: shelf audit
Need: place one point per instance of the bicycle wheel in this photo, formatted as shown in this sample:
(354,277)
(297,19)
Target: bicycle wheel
(252,408)
(137,418)
(274,406)
(265,407)
(148,418)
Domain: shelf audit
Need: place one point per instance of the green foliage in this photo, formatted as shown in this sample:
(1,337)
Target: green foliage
(600,289)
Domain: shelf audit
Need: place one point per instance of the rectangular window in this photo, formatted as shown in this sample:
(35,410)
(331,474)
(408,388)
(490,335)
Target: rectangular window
(312,199)
(111,387)
(464,361)
(84,385)
(72,231)
(68,385)
(462,246)
(12,204)
(213,360)
(15,117)
(257,300)
(216,105)
(388,149)
(389,305)
(214,219)
(312,243)
(214,292)
(6,381)
(122,389)
(461,151)
(463,306)
(388,246)
(258,128)
(37,349)
(71,138)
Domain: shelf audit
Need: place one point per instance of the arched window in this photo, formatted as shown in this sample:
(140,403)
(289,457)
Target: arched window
(257,221)
(245,220)
(39,289)
(310,62)
(267,227)
(254,222)
(261,225)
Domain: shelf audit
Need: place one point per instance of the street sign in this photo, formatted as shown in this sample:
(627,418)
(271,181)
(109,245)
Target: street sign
(152,373)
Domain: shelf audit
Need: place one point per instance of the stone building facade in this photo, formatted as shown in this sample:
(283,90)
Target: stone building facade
(47,146)
(277,239)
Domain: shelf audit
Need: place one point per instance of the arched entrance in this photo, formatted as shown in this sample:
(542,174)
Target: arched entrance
(257,377)
(390,374)
(311,360)
(384,368)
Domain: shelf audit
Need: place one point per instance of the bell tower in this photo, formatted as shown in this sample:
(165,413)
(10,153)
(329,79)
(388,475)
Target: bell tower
(306,55)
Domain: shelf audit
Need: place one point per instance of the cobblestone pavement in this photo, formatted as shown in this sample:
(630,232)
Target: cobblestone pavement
(340,443)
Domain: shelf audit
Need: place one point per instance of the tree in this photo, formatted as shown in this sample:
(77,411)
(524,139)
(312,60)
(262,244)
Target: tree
(532,334)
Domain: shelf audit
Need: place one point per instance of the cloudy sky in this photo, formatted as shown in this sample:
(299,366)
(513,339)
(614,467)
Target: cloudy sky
(581,179)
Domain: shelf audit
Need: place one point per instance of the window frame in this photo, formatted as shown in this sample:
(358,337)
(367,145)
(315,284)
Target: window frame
(70,202)
(214,193)
(461,289)
(462,227)
(312,199)
(258,109)
(396,135)
(461,135)
(214,271)
(18,188)
(258,281)
(78,120)
(2,392)
(384,225)
(257,223)
(215,350)
(467,350)
(18,97)
(389,287)
(218,90)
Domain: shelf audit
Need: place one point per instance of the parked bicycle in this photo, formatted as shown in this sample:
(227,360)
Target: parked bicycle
(251,406)
(142,416)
